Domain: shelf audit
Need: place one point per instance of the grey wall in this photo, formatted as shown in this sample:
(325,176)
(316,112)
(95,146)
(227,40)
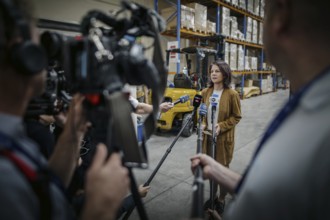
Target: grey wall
(73,10)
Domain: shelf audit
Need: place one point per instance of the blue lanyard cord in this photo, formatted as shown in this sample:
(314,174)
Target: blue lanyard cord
(288,108)
(11,145)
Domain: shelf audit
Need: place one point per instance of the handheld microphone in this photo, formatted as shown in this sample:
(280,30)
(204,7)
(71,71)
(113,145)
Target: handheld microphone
(203,110)
(182,99)
(214,99)
(197,101)
(197,210)
(202,113)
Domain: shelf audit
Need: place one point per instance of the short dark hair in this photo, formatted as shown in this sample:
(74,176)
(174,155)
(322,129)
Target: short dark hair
(312,17)
(225,70)
(8,28)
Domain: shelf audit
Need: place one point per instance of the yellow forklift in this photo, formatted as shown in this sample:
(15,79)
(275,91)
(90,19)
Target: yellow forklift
(189,84)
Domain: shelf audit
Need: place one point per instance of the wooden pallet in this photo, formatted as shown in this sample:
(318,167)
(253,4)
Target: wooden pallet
(188,28)
(211,33)
(200,31)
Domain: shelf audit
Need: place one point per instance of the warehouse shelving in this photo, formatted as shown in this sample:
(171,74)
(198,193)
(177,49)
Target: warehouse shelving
(184,33)
(244,43)
(254,72)
(179,33)
(237,9)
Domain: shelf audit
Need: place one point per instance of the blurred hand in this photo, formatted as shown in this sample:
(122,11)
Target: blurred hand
(107,183)
(217,129)
(60,119)
(63,161)
(207,162)
(165,106)
(76,124)
(214,214)
(46,119)
(143,190)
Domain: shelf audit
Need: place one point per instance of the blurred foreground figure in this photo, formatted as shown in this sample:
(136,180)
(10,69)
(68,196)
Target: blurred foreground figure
(288,177)
(31,188)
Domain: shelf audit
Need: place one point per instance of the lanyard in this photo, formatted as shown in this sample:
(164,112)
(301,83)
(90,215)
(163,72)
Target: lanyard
(9,144)
(288,108)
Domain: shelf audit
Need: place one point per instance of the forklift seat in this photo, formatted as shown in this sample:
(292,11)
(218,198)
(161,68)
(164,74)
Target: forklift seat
(182,81)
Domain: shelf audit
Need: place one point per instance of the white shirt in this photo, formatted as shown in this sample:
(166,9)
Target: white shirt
(134,101)
(209,111)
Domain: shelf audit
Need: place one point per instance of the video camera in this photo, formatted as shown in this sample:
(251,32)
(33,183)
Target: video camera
(99,62)
(55,99)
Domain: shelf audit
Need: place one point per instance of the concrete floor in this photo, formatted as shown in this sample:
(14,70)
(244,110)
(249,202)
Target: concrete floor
(170,196)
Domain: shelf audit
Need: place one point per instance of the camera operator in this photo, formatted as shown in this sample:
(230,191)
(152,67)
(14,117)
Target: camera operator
(45,130)
(28,189)
(38,129)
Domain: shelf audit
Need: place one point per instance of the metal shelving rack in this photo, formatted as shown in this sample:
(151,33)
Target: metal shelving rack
(189,34)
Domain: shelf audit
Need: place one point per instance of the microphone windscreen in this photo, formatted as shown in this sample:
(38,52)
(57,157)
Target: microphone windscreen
(203,110)
(184,98)
(197,101)
(214,99)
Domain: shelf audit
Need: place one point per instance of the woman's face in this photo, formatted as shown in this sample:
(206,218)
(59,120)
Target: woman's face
(216,75)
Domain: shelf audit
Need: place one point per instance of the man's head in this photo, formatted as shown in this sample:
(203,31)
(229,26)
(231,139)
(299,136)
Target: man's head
(294,25)
(22,61)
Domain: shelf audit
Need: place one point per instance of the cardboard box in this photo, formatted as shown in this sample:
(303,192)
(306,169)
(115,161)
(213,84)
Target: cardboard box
(249,29)
(200,16)
(254,63)
(211,27)
(187,17)
(227,53)
(262,6)
(250,5)
(240,57)
(225,21)
(242,4)
(248,83)
(261,32)
(248,36)
(234,2)
(233,27)
(247,63)
(240,35)
(233,57)
(255,32)
(256,7)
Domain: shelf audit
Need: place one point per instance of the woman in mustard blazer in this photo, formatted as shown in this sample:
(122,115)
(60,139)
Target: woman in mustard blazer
(227,115)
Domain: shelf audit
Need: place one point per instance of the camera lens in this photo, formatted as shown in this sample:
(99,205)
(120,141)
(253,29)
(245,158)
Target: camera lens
(52,43)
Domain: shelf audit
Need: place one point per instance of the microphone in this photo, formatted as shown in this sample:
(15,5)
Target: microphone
(202,113)
(182,99)
(214,99)
(202,110)
(197,101)
(197,210)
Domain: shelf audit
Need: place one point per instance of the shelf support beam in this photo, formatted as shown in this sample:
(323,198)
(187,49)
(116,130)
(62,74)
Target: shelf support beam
(178,33)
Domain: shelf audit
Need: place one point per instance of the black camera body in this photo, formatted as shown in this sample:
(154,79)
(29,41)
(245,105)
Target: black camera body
(98,63)
(87,73)
(55,98)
